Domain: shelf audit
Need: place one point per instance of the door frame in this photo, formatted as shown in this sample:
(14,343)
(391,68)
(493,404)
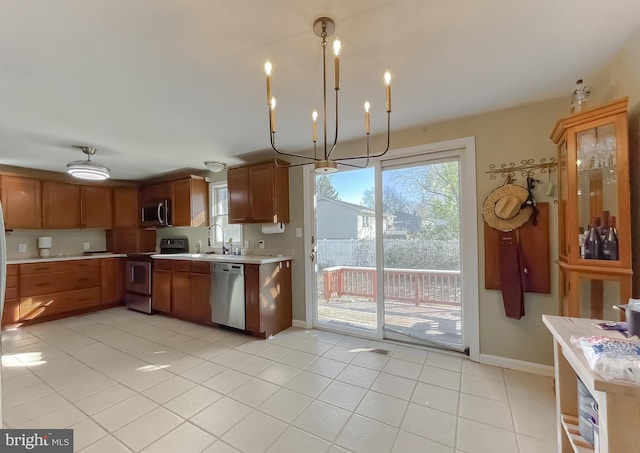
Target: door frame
(468,233)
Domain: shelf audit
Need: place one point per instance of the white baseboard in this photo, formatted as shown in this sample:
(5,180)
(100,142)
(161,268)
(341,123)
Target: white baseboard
(300,324)
(518,365)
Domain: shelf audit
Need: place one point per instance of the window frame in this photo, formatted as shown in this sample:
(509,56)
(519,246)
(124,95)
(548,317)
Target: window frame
(215,219)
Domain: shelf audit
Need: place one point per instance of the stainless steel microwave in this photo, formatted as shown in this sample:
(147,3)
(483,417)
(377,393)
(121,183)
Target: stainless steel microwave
(157,214)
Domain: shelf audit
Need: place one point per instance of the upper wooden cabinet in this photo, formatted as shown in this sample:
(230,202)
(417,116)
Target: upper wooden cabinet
(96,207)
(60,205)
(21,202)
(125,207)
(258,194)
(154,193)
(189,202)
(593,186)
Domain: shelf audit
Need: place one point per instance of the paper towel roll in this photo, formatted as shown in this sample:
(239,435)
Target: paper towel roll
(272,228)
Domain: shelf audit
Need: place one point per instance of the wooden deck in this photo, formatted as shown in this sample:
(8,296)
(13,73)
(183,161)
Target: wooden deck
(434,322)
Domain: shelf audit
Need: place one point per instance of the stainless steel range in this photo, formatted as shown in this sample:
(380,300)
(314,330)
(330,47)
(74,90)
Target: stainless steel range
(139,274)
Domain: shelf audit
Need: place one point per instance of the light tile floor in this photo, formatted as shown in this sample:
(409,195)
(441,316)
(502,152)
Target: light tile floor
(127,382)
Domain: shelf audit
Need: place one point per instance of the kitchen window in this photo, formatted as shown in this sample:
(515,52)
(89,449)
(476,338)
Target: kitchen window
(219,209)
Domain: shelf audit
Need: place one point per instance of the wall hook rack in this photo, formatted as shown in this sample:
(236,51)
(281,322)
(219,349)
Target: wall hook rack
(527,167)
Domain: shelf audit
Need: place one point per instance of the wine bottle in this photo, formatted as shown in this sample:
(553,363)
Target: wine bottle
(604,229)
(581,238)
(585,251)
(610,244)
(594,244)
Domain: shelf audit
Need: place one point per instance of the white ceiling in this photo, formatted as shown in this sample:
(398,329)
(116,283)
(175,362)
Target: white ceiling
(159,85)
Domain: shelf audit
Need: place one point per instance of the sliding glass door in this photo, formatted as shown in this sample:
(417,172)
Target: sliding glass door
(386,246)
(345,252)
(421,243)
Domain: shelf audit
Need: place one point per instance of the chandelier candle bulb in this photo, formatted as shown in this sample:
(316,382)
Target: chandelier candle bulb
(367,106)
(267,71)
(337,46)
(314,116)
(387,82)
(272,115)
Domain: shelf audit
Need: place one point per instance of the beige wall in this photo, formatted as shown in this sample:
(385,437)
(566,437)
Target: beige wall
(621,76)
(64,242)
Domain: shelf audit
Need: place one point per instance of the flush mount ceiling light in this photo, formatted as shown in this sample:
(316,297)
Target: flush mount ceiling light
(88,169)
(214,166)
(324,27)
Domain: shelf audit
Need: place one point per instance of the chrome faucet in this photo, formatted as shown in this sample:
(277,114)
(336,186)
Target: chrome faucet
(210,242)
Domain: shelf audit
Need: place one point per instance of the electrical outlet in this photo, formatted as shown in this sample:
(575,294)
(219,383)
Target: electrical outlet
(87,246)
(22,248)
(298,232)
(261,244)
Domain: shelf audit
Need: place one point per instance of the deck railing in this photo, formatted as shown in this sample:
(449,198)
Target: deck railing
(407,285)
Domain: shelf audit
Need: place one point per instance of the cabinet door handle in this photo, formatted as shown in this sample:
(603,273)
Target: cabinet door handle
(43,284)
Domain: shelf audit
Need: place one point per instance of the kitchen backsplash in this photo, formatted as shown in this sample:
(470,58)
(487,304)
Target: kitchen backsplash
(64,242)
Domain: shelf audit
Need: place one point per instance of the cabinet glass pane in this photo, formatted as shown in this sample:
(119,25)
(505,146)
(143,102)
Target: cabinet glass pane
(597,187)
(564,195)
(597,298)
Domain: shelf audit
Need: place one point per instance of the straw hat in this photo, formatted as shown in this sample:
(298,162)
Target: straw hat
(502,208)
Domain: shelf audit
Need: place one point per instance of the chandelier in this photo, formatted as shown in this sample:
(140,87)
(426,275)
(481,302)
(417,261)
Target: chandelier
(324,27)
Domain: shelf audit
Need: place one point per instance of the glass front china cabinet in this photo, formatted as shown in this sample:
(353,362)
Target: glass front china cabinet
(594,211)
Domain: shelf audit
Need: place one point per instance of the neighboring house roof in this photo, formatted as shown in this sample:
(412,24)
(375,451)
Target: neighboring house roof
(355,207)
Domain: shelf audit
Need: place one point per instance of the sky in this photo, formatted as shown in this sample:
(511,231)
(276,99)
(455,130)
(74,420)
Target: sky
(352,183)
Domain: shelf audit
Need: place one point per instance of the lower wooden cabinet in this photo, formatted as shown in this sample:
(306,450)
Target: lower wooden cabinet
(52,289)
(268,298)
(161,286)
(112,284)
(11,312)
(183,289)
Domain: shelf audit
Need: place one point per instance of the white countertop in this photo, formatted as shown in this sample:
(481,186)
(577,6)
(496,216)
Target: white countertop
(66,258)
(218,258)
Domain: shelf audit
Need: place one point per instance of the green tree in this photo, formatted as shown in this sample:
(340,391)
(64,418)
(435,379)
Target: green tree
(393,201)
(435,187)
(324,188)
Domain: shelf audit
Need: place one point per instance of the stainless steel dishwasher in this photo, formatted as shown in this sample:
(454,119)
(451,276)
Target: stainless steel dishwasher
(227,294)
